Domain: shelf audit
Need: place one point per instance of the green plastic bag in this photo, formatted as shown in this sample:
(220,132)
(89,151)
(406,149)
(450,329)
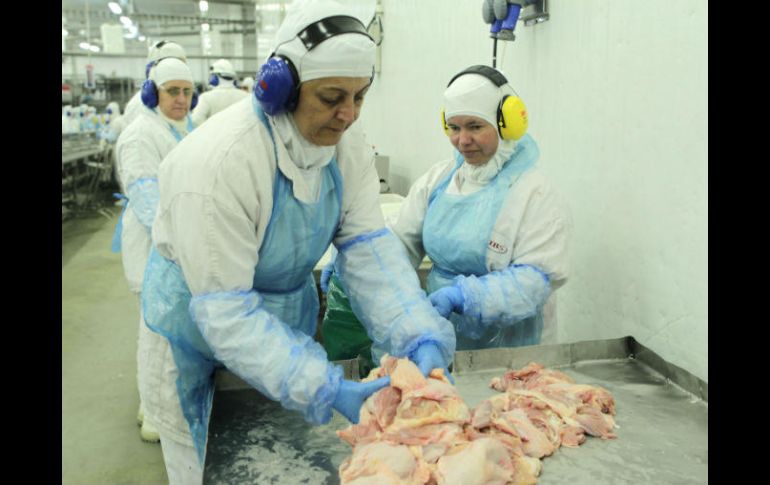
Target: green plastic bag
(344,337)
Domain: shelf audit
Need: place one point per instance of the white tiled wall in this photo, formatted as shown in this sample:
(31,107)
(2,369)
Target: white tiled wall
(617,97)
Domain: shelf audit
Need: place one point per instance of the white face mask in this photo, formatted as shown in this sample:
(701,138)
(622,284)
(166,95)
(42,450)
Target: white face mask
(482,174)
(304,154)
(180,126)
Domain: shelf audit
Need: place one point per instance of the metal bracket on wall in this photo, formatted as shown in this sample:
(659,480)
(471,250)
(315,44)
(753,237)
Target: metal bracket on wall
(535,12)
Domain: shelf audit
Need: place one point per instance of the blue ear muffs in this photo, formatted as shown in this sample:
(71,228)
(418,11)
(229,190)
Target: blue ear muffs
(276,86)
(149,93)
(214,80)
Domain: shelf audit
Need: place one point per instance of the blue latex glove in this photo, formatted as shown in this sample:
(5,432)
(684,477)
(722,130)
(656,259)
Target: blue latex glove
(352,394)
(447,300)
(326,274)
(428,357)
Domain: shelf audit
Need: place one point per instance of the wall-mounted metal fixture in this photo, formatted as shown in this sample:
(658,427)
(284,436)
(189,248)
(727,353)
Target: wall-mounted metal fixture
(503,15)
(535,13)
(378,34)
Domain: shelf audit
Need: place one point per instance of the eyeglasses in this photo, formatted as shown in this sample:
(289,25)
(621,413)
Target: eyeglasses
(174,91)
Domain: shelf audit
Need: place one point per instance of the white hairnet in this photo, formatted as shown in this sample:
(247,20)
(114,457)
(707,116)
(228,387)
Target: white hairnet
(170,69)
(168,49)
(474,95)
(223,66)
(114,106)
(346,55)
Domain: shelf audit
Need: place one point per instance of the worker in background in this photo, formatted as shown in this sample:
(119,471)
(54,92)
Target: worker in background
(247,84)
(249,204)
(168,96)
(93,123)
(495,229)
(223,94)
(81,111)
(112,122)
(69,124)
(112,126)
(160,50)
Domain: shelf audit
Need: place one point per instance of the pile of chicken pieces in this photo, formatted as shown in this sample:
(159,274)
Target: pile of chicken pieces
(419,431)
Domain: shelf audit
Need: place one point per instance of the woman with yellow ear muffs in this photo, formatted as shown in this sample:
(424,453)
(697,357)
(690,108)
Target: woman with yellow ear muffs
(495,229)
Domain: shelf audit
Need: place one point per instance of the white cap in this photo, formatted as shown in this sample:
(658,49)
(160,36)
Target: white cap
(170,69)
(474,95)
(223,67)
(345,55)
(166,49)
(114,106)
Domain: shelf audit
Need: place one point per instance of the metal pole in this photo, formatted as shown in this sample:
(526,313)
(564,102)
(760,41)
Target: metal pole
(494,53)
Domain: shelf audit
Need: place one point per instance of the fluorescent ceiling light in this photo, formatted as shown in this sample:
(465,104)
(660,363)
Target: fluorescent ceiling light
(94,48)
(84,45)
(115,8)
(203,5)
(142,38)
(205,27)
(125,21)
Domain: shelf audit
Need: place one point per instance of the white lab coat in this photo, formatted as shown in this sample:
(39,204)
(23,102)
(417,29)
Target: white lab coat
(214,101)
(133,108)
(216,201)
(140,148)
(534,226)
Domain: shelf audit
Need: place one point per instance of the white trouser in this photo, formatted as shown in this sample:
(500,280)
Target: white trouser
(146,380)
(181,461)
(159,394)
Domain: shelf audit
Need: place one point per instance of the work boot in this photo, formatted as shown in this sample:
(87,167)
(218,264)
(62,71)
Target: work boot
(149,433)
(140,416)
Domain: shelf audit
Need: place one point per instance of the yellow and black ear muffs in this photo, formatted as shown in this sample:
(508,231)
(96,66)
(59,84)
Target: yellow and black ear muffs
(512,119)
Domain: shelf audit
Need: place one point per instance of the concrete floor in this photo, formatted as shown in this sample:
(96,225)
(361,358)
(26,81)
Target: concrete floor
(100,318)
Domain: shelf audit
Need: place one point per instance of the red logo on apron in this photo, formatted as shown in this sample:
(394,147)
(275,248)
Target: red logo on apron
(497,247)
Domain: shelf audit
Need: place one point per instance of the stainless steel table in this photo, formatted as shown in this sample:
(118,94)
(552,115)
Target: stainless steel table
(662,414)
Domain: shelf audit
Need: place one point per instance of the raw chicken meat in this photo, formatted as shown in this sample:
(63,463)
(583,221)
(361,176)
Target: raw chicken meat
(419,430)
(481,462)
(383,463)
(579,407)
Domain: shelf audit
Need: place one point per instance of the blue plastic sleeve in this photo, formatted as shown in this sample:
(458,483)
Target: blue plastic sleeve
(143,198)
(283,364)
(385,295)
(504,297)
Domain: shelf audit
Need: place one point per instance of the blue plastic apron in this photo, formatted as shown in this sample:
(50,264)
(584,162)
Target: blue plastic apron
(456,235)
(296,237)
(118,234)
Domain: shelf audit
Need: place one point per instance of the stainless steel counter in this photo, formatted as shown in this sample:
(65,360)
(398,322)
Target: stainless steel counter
(662,418)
